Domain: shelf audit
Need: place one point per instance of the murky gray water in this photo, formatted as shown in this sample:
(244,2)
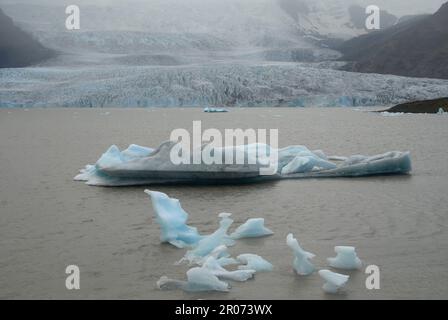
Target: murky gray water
(49,221)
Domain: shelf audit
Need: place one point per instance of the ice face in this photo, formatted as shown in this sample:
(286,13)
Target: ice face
(207,244)
(333,281)
(172,220)
(252,228)
(346,259)
(254,262)
(301,264)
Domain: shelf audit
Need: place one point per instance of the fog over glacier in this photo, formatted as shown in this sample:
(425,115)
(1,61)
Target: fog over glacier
(200,53)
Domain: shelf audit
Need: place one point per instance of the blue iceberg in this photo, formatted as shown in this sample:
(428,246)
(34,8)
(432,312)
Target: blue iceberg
(172,220)
(198,280)
(208,243)
(144,166)
(215,110)
(254,262)
(333,281)
(346,259)
(252,228)
(302,264)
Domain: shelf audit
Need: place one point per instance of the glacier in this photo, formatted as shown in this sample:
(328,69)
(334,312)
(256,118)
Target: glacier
(252,228)
(333,281)
(143,166)
(302,264)
(201,53)
(346,258)
(240,84)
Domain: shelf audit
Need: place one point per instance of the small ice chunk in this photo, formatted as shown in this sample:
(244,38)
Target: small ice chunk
(198,280)
(441,111)
(346,258)
(254,262)
(208,243)
(214,110)
(333,281)
(301,264)
(172,220)
(221,254)
(214,267)
(252,228)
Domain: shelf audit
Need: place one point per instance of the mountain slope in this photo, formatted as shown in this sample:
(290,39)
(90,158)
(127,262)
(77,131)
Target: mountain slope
(18,48)
(417,47)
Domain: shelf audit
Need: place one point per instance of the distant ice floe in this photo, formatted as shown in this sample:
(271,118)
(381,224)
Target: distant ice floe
(143,166)
(302,264)
(215,110)
(333,281)
(346,258)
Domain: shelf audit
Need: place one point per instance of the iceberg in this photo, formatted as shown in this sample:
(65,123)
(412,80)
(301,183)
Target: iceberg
(215,268)
(206,278)
(145,166)
(215,110)
(333,281)
(254,262)
(198,280)
(346,259)
(441,111)
(172,220)
(252,228)
(301,264)
(221,255)
(207,244)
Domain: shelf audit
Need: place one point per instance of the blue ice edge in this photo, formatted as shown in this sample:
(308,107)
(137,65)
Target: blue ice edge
(139,165)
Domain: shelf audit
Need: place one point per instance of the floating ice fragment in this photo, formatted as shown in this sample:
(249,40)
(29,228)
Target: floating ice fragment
(301,264)
(221,254)
(252,228)
(215,110)
(198,280)
(441,111)
(214,267)
(254,262)
(172,220)
(208,243)
(346,258)
(334,281)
